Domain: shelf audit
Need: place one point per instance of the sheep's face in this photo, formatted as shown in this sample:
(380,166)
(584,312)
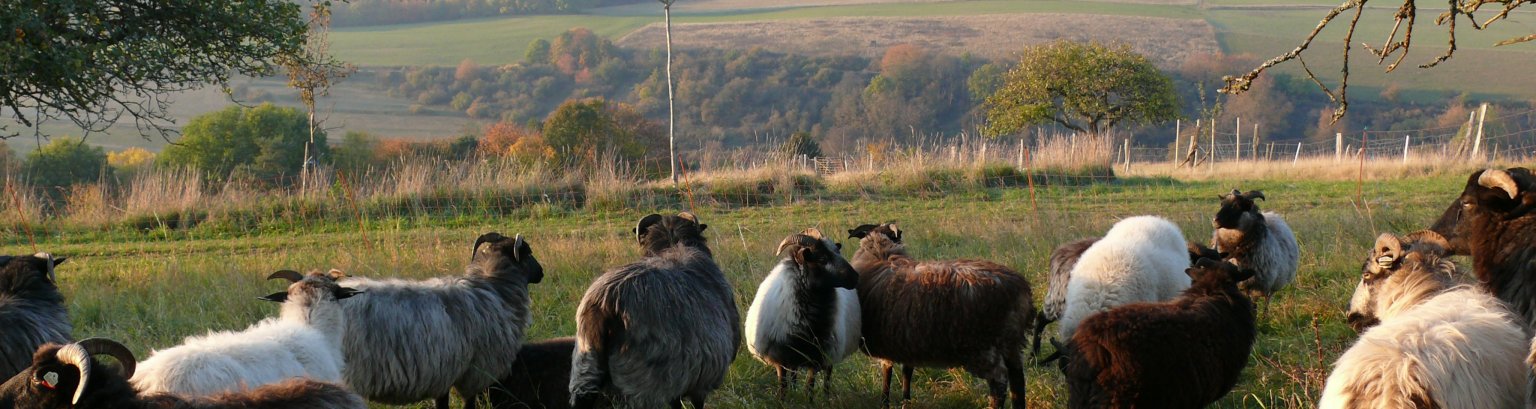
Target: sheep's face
(29,276)
(1238,211)
(888,229)
(58,371)
(1213,273)
(1399,274)
(657,233)
(820,259)
(313,288)
(501,256)
(1492,195)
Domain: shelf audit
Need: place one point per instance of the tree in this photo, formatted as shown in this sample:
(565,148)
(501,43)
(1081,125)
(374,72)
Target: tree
(356,152)
(801,143)
(500,137)
(312,70)
(538,52)
(94,62)
(580,131)
(265,142)
(1406,13)
(64,162)
(1084,87)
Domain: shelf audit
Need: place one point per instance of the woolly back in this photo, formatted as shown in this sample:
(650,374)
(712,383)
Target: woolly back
(1400,274)
(1063,258)
(30,278)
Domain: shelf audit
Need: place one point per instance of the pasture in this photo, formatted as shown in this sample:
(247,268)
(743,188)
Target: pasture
(150,290)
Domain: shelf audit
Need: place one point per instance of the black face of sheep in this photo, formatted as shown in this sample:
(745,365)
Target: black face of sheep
(1235,206)
(63,376)
(820,259)
(888,229)
(295,278)
(29,276)
(1399,270)
(1501,195)
(657,233)
(1213,273)
(498,255)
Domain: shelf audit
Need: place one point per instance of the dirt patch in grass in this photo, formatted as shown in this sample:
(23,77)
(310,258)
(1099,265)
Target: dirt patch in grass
(1167,41)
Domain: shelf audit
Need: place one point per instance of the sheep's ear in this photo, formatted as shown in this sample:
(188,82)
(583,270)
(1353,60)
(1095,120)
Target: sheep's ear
(645,224)
(1254,194)
(1387,251)
(59,260)
(343,293)
(276,297)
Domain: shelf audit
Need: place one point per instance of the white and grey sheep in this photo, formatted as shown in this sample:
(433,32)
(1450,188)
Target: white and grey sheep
(1140,259)
(806,312)
(1431,343)
(1258,240)
(409,341)
(69,376)
(303,341)
(31,309)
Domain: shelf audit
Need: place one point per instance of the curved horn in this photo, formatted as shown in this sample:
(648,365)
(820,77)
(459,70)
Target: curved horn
(689,216)
(1498,179)
(290,275)
(1429,237)
(896,231)
(815,233)
(76,355)
(517,245)
(1254,194)
(1387,250)
(484,238)
(783,244)
(49,259)
(103,346)
(645,224)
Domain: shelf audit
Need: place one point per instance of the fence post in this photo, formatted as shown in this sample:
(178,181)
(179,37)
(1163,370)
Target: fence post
(1213,145)
(1338,146)
(1127,150)
(1174,156)
(1296,158)
(1237,137)
(1255,143)
(1405,149)
(1021,153)
(1482,116)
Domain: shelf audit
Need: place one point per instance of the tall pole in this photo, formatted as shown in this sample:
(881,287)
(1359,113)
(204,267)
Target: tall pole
(671,111)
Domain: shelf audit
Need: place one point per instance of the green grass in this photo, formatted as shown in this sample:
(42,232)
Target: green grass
(151,289)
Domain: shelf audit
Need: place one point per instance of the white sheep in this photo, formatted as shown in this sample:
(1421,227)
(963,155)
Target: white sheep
(1437,344)
(303,341)
(1140,259)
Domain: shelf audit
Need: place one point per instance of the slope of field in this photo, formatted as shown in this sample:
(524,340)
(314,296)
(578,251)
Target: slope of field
(151,289)
(1167,41)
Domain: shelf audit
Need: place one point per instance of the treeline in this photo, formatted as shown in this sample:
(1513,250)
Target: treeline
(383,12)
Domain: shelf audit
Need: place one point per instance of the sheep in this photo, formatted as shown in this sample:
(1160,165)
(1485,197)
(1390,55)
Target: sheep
(1183,353)
(958,313)
(806,312)
(1140,259)
(413,340)
(31,309)
(69,376)
(1430,343)
(1491,221)
(303,341)
(539,377)
(660,330)
(1261,241)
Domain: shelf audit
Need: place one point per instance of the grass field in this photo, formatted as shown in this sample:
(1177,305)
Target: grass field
(151,289)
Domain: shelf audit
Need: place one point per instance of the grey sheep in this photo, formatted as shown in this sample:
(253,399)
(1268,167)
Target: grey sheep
(31,309)
(413,340)
(660,330)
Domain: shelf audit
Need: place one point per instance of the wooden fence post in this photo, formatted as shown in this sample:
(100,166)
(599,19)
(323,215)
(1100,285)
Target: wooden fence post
(1405,149)
(1296,158)
(1338,146)
(1482,116)
(1237,138)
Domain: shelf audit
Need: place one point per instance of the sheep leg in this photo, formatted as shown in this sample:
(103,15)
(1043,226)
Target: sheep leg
(810,385)
(779,370)
(697,399)
(471,400)
(442,401)
(906,382)
(1016,379)
(885,394)
(677,404)
(826,383)
(1040,323)
(997,381)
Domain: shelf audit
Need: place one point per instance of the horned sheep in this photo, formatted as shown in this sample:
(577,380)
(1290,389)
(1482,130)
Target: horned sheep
(1183,353)
(1430,343)
(69,376)
(413,340)
(806,312)
(658,331)
(31,309)
(1258,240)
(956,313)
(540,377)
(304,341)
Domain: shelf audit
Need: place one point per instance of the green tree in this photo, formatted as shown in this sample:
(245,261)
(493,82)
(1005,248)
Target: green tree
(356,151)
(802,143)
(538,52)
(581,131)
(93,62)
(1084,87)
(984,82)
(64,162)
(266,142)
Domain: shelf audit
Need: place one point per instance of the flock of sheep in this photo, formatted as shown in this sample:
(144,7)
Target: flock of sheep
(1145,319)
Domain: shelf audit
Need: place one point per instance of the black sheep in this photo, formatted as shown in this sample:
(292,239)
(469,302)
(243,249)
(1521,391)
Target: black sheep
(31,310)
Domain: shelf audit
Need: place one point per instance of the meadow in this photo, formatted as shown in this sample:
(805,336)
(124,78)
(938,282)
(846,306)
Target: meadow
(150,288)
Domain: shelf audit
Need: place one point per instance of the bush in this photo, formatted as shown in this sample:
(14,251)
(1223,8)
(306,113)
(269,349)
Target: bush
(66,161)
(266,141)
